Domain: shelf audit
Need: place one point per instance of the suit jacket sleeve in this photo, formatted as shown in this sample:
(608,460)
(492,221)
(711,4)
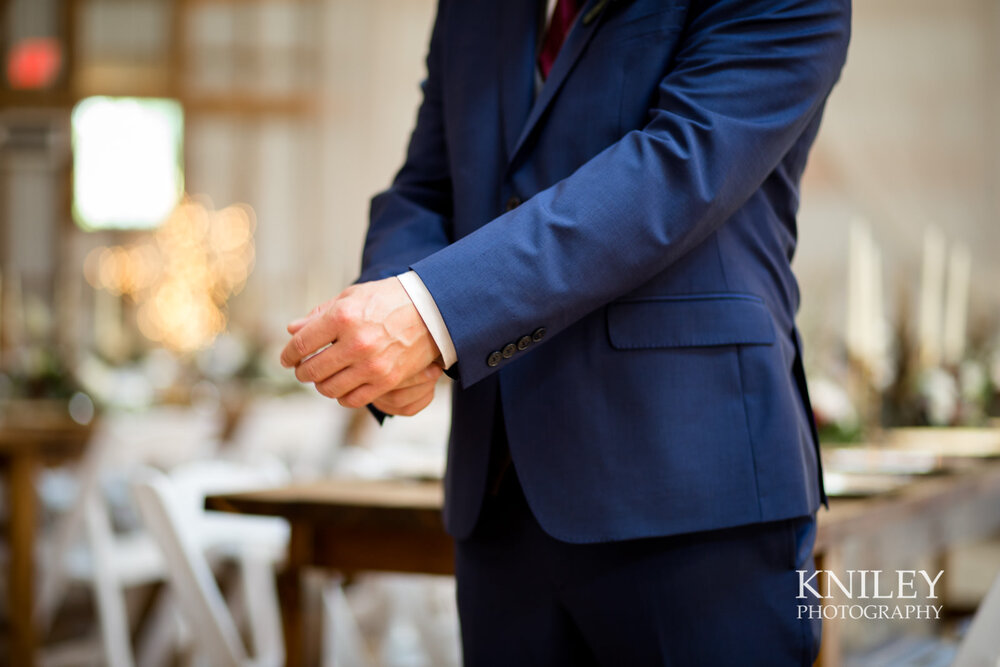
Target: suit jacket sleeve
(748,77)
(412,219)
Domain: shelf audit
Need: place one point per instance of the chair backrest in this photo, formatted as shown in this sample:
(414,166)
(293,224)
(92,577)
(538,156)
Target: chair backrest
(343,643)
(303,430)
(192,481)
(981,645)
(161,437)
(189,573)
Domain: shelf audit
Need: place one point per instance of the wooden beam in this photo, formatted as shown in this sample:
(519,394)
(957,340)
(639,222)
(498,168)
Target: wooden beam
(38,99)
(250,105)
(248,2)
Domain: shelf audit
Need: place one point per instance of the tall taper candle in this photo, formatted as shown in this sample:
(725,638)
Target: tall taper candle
(853,322)
(957,303)
(931,295)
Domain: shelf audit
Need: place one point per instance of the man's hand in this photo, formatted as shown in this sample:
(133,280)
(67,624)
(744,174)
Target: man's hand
(412,395)
(375,343)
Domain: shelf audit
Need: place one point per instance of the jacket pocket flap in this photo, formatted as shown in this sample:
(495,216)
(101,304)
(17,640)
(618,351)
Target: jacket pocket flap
(689,321)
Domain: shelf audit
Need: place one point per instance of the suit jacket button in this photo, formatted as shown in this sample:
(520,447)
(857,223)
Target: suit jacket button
(523,342)
(513,203)
(494,359)
(509,350)
(538,334)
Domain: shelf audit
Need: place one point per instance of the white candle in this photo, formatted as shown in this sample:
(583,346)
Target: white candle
(876,316)
(864,295)
(107,323)
(931,295)
(866,306)
(957,303)
(15,310)
(855,251)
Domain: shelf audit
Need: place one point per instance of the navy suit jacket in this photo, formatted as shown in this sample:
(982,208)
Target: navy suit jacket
(612,255)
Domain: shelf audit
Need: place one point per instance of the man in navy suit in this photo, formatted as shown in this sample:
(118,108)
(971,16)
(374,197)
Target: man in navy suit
(592,233)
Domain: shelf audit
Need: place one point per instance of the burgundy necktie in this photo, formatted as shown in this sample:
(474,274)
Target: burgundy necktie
(563,16)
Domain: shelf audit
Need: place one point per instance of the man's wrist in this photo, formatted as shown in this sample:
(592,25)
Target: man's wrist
(429,313)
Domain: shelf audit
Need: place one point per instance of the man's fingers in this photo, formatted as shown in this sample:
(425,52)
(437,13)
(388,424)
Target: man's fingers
(295,325)
(427,376)
(318,332)
(392,404)
(360,397)
(330,370)
(416,406)
(322,366)
(399,398)
(343,383)
(377,343)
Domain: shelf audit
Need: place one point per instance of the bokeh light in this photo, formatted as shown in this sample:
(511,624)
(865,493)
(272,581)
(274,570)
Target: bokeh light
(183,275)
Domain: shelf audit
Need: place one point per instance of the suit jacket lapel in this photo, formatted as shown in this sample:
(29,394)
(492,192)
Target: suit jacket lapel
(518,27)
(577,39)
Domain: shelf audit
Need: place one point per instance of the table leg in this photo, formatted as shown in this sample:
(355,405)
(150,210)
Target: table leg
(290,596)
(830,652)
(300,546)
(22,508)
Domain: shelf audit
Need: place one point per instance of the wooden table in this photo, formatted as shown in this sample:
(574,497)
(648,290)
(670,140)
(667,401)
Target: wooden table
(922,520)
(28,442)
(396,526)
(348,526)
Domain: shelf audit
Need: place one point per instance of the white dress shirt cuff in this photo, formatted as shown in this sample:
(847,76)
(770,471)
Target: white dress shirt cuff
(424,303)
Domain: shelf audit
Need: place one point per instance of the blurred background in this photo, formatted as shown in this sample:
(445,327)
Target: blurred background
(180,178)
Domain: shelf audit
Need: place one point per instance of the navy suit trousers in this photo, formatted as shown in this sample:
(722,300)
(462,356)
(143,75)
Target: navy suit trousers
(721,597)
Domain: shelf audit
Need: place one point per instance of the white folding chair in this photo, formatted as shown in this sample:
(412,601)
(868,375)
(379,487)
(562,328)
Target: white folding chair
(170,507)
(343,645)
(418,621)
(303,430)
(202,605)
(85,548)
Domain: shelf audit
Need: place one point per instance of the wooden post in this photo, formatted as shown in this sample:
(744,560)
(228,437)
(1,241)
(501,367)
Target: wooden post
(830,653)
(300,553)
(21,538)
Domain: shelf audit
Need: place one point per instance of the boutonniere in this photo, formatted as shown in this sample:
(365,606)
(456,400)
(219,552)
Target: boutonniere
(599,7)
